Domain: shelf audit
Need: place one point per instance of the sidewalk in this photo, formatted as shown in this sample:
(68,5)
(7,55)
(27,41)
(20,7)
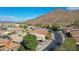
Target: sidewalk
(44,44)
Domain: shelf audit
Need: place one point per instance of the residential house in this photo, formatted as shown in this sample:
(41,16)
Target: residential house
(16,38)
(40,33)
(3,44)
(17,25)
(1,32)
(31,27)
(8,45)
(13,46)
(75,35)
(13,30)
(67,29)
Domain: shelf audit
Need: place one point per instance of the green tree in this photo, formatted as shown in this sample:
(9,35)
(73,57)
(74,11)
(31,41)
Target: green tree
(60,48)
(68,45)
(48,36)
(38,25)
(54,27)
(29,42)
(75,23)
(45,26)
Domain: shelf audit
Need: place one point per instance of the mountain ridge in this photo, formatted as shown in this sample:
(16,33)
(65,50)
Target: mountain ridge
(58,16)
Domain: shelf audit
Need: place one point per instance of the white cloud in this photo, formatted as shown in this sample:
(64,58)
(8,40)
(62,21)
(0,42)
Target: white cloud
(72,8)
(16,19)
(7,18)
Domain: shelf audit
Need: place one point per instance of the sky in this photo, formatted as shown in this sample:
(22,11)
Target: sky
(19,14)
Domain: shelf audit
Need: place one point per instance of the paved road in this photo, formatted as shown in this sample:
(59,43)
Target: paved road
(55,43)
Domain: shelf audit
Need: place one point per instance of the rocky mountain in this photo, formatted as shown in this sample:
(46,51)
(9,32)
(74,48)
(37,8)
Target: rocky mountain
(58,17)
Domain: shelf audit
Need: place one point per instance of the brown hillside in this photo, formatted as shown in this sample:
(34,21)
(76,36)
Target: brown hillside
(57,16)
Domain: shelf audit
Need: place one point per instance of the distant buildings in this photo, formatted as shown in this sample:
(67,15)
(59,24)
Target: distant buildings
(9,38)
(11,35)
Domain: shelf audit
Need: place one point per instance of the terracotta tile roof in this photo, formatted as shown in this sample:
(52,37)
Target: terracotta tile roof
(16,38)
(39,31)
(4,42)
(75,34)
(14,30)
(13,46)
(9,44)
(1,31)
